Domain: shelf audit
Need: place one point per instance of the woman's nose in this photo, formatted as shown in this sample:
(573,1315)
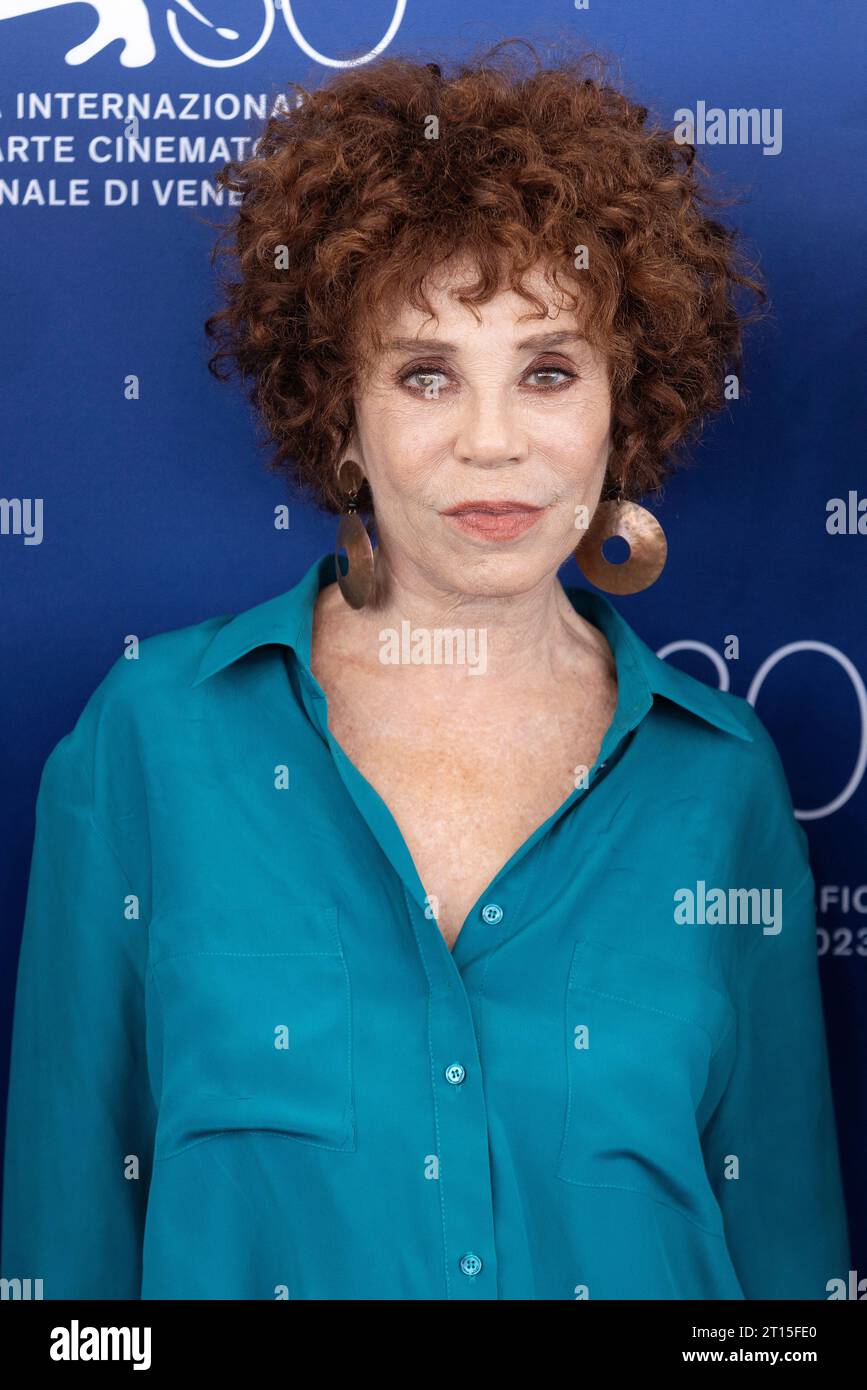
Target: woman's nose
(489,431)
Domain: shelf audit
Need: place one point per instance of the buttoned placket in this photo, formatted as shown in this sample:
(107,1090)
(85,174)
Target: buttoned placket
(462,1131)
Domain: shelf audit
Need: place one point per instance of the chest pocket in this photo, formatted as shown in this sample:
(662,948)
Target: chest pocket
(640,1035)
(254,1038)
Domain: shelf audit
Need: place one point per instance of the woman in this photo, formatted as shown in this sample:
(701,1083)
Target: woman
(418,933)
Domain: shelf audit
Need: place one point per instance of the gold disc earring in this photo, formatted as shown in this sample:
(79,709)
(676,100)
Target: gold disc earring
(356,585)
(643,534)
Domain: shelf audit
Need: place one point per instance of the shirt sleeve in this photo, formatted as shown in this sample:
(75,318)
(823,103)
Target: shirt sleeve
(80,1117)
(771,1146)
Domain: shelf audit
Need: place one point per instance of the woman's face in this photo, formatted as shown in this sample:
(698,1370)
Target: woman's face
(499,409)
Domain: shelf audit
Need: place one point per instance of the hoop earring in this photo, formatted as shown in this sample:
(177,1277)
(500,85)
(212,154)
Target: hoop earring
(648,547)
(356,585)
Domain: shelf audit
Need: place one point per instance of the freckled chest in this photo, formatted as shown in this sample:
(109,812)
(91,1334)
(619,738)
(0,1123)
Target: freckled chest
(465,786)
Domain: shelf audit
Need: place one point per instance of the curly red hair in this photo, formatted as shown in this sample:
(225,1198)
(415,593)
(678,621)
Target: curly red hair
(348,202)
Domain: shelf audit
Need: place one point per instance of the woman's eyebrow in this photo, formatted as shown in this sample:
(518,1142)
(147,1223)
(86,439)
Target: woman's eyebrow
(536,340)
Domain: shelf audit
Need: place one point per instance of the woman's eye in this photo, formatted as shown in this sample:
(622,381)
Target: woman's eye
(556,376)
(431,381)
(427,381)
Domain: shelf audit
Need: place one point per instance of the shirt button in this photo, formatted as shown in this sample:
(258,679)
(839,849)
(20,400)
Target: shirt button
(470,1263)
(492,913)
(455,1073)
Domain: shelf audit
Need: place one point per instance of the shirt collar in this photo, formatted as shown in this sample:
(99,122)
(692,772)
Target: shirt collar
(287,620)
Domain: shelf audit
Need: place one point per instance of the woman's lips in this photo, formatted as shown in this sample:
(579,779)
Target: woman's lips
(498,522)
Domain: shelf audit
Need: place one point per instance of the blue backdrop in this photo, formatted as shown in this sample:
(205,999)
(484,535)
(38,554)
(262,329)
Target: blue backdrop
(122,516)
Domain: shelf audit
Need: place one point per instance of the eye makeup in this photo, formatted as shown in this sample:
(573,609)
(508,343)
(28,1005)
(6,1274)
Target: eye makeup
(567,373)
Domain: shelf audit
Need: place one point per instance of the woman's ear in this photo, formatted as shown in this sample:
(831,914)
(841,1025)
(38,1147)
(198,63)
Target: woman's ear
(351,450)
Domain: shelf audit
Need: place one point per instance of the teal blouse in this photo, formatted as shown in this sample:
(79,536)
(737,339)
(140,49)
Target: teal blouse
(246,1065)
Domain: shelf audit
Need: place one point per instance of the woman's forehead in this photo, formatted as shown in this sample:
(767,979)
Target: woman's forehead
(507,310)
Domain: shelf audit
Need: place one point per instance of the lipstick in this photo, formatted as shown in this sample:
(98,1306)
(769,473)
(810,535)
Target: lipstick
(503,520)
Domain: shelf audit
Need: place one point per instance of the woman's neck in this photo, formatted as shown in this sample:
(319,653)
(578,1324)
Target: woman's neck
(530,636)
